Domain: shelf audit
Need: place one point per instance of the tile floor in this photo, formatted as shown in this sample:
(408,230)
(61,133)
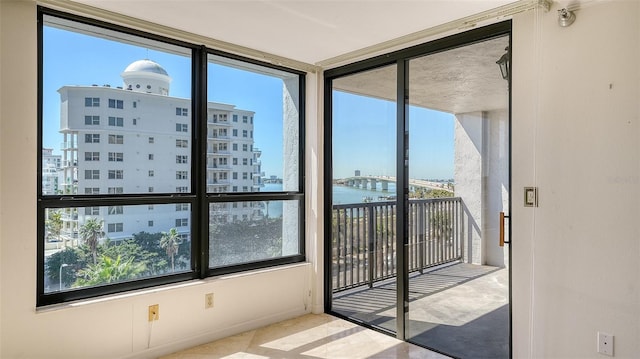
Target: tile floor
(310,337)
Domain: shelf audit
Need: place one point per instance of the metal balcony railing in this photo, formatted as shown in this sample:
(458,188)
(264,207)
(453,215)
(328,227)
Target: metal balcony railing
(364,239)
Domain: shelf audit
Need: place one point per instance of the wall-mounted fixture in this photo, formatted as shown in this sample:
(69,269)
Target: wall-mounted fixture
(566,17)
(503,62)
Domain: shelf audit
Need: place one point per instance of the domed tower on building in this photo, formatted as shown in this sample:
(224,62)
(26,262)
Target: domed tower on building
(146,76)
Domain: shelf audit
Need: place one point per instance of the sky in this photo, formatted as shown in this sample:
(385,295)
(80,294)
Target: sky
(76,59)
(364,128)
(364,138)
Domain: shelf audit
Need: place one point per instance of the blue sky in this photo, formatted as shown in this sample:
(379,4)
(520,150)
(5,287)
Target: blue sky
(364,128)
(76,59)
(364,138)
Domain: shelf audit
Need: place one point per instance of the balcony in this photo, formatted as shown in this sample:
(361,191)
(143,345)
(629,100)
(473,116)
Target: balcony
(363,260)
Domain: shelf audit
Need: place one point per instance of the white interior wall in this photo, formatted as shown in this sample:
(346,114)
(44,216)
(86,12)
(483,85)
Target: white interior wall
(116,326)
(576,136)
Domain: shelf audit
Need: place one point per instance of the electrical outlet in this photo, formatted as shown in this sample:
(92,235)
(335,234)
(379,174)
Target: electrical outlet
(605,343)
(208,300)
(154,312)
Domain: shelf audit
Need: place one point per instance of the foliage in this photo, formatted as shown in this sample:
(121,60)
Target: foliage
(424,193)
(240,242)
(91,232)
(69,256)
(54,223)
(170,242)
(109,270)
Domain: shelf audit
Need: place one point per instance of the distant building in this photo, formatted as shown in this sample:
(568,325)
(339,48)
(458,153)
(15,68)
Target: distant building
(51,174)
(137,139)
(357,174)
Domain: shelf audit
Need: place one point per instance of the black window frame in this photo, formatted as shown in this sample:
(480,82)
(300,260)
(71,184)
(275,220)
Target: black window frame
(197,198)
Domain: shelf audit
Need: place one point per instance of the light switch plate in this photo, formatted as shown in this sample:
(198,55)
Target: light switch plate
(531,196)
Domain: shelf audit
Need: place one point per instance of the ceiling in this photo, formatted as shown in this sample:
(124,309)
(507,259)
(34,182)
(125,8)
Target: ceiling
(309,31)
(461,80)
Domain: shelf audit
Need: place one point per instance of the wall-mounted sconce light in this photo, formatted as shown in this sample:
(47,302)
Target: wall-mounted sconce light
(566,17)
(503,62)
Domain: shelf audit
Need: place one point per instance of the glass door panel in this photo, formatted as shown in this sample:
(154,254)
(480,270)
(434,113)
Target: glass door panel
(363,255)
(458,124)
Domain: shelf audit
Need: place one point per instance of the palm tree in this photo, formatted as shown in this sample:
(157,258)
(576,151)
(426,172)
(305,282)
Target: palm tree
(91,232)
(109,270)
(54,225)
(170,242)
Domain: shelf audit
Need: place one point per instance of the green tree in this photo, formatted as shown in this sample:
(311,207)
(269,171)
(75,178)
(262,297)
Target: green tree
(109,270)
(91,232)
(70,256)
(170,242)
(54,224)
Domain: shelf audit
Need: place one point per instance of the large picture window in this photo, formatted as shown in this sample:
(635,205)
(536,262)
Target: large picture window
(142,222)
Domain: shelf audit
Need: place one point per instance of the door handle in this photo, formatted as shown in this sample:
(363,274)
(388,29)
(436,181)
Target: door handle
(502,217)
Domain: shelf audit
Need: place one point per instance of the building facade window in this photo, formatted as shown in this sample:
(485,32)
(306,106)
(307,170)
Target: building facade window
(92,156)
(119,104)
(92,120)
(115,139)
(240,236)
(92,102)
(116,156)
(116,121)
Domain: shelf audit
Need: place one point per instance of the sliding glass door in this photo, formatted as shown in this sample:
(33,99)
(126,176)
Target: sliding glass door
(418,156)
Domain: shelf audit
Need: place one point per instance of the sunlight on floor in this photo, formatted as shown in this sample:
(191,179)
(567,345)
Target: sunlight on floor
(310,336)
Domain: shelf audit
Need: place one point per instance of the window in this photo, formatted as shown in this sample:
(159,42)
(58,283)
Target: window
(182,159)
(115,227)
(116,103)
(92,138)
(245,147)
(115,190)
(116,121)
(92,156)
(244,161)
(116,174)
(92,102)
(115,210)
(182,143)
(244,175)
(116,139)
(91,120)
(116,156)
(91,174)
(131,213)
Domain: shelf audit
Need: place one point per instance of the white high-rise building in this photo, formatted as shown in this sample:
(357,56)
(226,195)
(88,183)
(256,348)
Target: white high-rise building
(51,165)
(137,139)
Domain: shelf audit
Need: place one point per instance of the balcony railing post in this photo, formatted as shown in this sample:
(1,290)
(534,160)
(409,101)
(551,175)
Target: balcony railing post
(370,243)
(420,228)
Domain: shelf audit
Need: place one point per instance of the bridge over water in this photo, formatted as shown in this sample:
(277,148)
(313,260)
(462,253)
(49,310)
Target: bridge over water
(371,182)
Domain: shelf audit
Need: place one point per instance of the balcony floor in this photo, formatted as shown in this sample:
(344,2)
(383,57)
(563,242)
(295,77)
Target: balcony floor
(460,309)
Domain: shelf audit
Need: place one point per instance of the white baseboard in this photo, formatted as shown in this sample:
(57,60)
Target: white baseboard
(185,343)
